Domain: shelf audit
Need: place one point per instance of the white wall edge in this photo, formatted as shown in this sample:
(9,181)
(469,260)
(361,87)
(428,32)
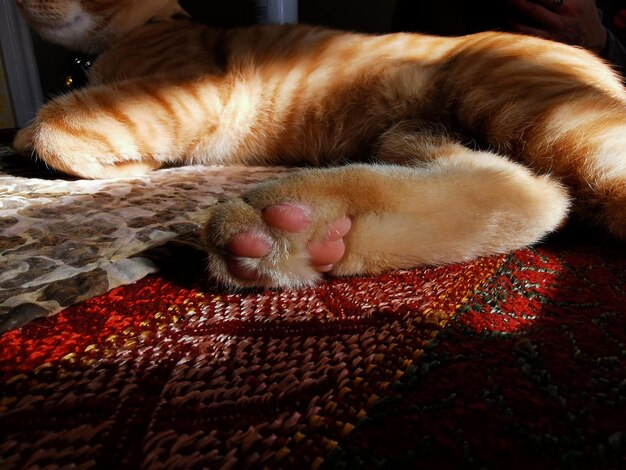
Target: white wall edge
(20,63)
(277,11)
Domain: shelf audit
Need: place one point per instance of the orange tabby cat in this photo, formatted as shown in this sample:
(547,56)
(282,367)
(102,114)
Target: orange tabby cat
(165,90)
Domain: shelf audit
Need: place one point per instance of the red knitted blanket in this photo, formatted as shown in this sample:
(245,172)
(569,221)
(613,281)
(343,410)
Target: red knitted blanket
(516,361)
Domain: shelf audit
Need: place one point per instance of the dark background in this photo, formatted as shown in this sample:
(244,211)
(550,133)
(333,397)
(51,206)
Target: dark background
(359,15)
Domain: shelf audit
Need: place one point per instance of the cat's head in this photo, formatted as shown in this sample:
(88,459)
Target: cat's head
(92,25)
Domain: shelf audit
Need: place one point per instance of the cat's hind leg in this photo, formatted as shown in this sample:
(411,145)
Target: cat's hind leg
(452,209)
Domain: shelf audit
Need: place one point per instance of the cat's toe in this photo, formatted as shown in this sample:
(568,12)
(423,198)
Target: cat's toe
(326,252)
(296,217)
(250,244)
(292,217)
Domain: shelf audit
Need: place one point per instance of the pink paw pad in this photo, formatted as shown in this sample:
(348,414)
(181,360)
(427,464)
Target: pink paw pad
(293,218)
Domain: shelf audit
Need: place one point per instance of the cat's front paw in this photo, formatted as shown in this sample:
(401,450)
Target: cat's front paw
(23,141)
(77,140)
(286,244)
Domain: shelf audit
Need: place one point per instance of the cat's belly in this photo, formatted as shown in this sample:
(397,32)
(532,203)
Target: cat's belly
(298,119)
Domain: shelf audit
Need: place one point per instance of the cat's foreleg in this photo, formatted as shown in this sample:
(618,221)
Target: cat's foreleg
(452,209)
(119,129)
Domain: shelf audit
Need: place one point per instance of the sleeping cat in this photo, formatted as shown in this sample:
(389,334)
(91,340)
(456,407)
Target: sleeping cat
(403,130)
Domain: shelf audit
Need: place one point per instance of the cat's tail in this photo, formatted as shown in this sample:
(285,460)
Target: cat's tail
(558,108)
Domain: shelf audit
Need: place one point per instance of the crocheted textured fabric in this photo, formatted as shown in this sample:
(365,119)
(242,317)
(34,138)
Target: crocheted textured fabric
(516,361)
(64,241)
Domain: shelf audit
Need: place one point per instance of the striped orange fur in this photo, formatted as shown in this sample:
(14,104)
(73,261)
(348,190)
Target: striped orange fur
(169,91)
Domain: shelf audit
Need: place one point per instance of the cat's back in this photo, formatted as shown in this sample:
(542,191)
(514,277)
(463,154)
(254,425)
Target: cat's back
(179,48)
(185,48)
